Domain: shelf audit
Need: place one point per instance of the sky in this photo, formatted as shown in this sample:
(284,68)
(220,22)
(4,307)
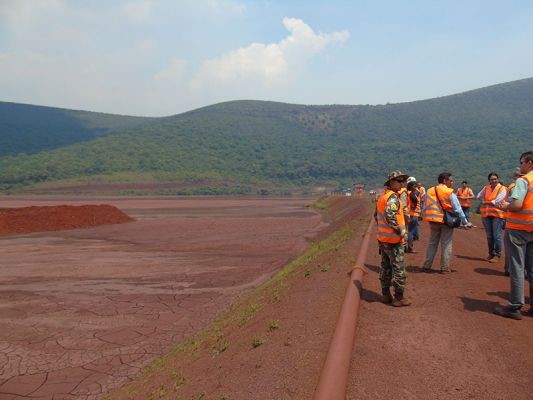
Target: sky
(165,57)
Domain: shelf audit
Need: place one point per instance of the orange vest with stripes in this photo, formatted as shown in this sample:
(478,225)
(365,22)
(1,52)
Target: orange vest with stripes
(465,193)
(489,210)
(523,219)
(433,211)
(385,233)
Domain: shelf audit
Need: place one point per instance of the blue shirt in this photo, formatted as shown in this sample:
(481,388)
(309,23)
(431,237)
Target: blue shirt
(457,208)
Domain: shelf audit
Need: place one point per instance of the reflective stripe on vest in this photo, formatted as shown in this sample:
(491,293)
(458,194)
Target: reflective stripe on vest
(489,210)
(523,220)
(466,193)
(385,233)
(433,211)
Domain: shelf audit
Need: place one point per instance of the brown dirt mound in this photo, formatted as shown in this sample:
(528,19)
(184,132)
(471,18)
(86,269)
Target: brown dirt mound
(57,218)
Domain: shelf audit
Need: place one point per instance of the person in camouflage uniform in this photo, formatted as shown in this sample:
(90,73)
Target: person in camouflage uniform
(392,235)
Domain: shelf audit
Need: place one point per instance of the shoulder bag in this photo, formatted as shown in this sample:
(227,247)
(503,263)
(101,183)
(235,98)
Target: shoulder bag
(450,217)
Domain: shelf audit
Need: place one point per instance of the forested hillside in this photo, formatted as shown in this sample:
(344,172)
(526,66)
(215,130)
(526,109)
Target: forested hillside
(30,129)
(245,145)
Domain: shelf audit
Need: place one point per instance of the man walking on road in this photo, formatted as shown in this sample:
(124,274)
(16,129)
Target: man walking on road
(519,239)
(392,235)
(438,199)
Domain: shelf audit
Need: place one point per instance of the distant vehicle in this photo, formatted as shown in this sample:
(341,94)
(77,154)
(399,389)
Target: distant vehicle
(372,193)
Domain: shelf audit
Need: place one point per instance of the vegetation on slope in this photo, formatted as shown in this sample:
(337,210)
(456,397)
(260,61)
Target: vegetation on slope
(252,142)
(31,129)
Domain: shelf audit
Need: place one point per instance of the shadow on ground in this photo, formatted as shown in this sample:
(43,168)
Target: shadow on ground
(503,295)
(373,268)
(471,258)
(474,305)
(370,296)
(489,271)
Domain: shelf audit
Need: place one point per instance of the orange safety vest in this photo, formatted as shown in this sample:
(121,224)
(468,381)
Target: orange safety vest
(489,210)
(414,211)
(465,193)
(385,233)
(523,219)
(433,211)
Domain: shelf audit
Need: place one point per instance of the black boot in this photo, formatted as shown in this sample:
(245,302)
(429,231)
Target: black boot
(386,296)
(400,301)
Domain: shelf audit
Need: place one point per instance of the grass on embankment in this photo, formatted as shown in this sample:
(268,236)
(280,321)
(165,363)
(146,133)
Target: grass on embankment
(214,339)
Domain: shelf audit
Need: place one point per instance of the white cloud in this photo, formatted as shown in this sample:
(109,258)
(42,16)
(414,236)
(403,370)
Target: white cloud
(268,64)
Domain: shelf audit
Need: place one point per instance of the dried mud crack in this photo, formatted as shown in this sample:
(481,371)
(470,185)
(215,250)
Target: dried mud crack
(84,311)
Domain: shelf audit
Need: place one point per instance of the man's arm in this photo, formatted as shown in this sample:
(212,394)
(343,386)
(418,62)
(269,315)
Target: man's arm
(458,210)
(518,194)
(391,213)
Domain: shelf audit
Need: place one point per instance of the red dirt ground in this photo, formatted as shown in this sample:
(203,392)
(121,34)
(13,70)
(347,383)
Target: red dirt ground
(57,218)
(84,310)
(447,345)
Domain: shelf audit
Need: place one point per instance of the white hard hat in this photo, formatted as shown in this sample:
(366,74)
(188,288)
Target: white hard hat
(411,179)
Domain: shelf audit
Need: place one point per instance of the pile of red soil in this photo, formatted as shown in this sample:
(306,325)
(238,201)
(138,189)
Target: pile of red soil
(57,218)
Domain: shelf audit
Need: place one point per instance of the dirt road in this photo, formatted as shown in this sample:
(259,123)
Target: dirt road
(448,344)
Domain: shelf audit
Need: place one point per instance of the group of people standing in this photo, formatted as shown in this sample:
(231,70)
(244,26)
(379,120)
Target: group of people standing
(405,202)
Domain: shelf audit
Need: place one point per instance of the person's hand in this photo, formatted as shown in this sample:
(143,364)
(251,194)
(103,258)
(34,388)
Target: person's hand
(502,205)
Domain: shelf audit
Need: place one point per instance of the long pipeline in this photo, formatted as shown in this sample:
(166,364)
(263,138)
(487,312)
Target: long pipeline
(334,376)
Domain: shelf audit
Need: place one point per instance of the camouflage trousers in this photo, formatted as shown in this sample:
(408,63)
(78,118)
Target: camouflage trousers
(392,271)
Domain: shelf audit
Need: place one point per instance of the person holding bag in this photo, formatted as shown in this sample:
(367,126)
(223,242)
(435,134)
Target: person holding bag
(444,213)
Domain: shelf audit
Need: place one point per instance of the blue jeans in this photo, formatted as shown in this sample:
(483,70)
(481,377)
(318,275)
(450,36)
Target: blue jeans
(466,210)
(493,229)
(412,230)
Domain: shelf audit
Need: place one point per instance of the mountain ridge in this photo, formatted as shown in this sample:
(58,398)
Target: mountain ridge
(255,145)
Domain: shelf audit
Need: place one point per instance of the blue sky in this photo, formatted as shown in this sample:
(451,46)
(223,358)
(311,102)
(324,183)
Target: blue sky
(163,57)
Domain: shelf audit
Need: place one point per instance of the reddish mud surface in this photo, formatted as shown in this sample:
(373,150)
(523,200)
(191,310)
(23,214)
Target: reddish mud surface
(447,345)
(84,310)
(82,323)
(57,218)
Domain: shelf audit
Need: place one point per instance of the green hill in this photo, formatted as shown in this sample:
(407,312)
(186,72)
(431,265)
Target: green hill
(246,145)
(31,129)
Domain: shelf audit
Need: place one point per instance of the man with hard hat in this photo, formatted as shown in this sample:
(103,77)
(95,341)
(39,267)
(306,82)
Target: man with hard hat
(391,237)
